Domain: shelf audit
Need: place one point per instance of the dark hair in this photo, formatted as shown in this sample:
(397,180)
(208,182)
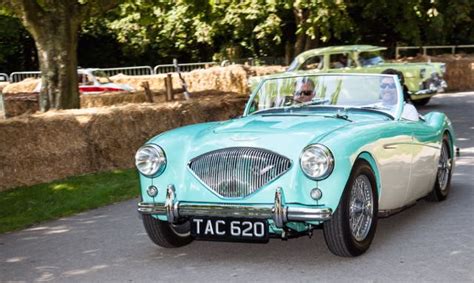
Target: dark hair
(400,75)
(305,80)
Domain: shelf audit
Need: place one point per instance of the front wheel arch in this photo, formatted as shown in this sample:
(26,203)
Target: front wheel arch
(366,156)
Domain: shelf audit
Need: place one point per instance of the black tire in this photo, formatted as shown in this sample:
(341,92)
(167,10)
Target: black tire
(166,235)
(442,187)
(421,102)
(337,231)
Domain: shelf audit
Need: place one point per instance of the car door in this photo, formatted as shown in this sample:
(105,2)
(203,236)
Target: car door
(393,153)
(425,158)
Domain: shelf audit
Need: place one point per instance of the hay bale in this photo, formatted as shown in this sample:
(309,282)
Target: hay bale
(128,127)
(41,149)
(111,98)
(20,103)
(57,144)
(3,85)
(26,85)
(228,79)
(156,82)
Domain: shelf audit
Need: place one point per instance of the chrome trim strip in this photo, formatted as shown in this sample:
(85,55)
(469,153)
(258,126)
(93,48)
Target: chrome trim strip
(171,207)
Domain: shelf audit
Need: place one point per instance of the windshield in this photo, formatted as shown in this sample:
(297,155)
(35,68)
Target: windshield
(370,58)
(375,92)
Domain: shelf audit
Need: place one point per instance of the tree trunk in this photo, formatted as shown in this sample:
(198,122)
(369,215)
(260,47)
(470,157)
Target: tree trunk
(289,53)
(57,46)
(301,15)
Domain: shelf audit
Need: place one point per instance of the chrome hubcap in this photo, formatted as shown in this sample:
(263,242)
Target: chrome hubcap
(361,209)
(444,168)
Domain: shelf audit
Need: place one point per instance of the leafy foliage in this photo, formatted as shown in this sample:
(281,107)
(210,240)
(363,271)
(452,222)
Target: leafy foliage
(155,31)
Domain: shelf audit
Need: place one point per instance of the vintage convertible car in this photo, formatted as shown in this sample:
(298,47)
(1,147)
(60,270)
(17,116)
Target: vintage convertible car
(423,80)
(95,81)
(327,151)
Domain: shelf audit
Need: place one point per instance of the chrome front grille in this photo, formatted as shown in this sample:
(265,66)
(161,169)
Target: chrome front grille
(238,171)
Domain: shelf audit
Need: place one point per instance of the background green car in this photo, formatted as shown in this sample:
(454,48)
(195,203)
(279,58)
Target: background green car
(423,80)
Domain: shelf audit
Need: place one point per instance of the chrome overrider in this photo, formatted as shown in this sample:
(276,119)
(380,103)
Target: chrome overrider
(279,212)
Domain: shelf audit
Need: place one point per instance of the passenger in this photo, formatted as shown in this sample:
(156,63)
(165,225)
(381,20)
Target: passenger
(389,99)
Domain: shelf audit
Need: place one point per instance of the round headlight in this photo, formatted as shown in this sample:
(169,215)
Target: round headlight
(150,159)
(316,161)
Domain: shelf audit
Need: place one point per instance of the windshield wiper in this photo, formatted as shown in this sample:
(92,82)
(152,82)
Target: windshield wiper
(339,116)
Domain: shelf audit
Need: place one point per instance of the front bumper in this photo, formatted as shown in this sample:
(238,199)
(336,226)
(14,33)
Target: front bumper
(279,212)
(433,85)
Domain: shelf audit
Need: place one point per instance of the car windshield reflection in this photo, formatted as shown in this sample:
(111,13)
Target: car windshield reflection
(375,92)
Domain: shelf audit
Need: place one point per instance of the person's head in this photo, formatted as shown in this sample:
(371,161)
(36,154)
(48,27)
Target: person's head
(304,90)
(388,91)
(343,59)
(401,78)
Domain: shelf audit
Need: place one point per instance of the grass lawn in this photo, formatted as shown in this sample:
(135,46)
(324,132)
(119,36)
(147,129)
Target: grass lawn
(22,207)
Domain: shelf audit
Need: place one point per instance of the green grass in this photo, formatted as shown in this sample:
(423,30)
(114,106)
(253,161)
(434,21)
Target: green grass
(24,206)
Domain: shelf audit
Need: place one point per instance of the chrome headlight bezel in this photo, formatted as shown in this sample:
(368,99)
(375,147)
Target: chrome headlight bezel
(329,160)
(157,157)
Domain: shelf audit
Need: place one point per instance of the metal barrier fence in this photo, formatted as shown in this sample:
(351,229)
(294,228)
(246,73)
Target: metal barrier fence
(426,48)
(186,67)
(19,76)
(129,71)
(4,77)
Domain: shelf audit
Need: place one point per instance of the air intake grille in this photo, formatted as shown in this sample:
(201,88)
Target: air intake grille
(238,171)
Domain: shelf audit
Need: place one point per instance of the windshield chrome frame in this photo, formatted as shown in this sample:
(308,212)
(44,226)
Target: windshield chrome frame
(400,102)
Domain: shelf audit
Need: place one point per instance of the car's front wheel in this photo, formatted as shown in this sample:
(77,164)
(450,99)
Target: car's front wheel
(352,226)
(167,235)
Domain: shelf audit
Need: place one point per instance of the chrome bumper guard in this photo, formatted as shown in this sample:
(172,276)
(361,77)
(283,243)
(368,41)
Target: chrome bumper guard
(279,212)
(434,88)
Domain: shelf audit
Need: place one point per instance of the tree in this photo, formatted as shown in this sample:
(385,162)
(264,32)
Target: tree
(54,25)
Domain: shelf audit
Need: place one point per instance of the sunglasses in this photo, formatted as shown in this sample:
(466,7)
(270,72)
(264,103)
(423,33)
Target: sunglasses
(304,92)
(387,86)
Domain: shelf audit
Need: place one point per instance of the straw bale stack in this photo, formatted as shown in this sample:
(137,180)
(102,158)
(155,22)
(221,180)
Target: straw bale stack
(3,85)
(39,149)
(26,85)
(232,78)
(20,103)
(53,145)
(112,98)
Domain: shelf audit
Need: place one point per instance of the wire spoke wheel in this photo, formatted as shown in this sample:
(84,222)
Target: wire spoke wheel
(444,168)
(361,208)
(351,229)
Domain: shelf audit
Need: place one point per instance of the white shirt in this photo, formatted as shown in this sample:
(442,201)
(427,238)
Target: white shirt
(410,113)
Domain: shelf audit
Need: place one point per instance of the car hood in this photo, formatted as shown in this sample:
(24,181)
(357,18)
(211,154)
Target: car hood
(286,135)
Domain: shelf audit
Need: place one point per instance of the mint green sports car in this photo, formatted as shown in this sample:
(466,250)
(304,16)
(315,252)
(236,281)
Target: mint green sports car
(329,151)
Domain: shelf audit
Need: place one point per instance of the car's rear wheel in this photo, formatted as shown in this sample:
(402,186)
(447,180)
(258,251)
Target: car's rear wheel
(352,226)
(421,102)
(443,177)
(167,235)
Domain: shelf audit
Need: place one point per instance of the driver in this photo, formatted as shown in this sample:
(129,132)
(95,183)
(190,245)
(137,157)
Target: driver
(304,90)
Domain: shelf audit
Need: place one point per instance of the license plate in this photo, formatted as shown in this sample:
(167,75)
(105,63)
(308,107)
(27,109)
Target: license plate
(229,229)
